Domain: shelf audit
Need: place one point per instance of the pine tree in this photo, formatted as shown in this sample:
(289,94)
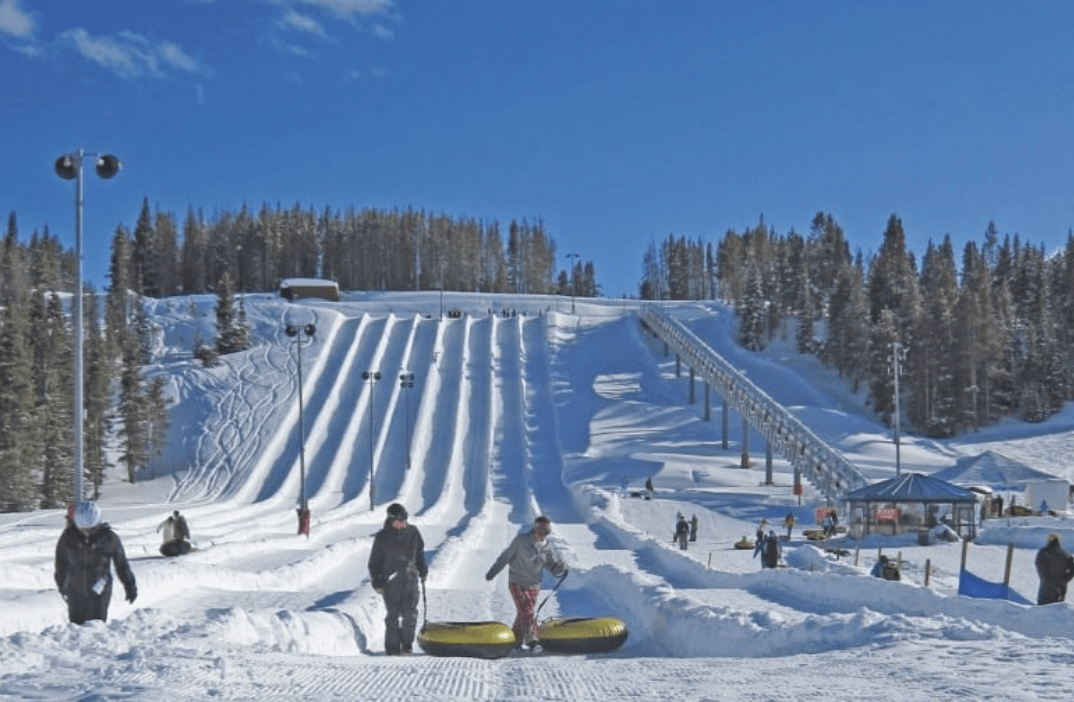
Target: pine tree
(894,308)
(55,411)
(936,400)
(193,254)
(753,316)
(231,334)
(157,419)
(19,442)
(145,279)
(882,344)
(166,252)
(97,380)
(132,410)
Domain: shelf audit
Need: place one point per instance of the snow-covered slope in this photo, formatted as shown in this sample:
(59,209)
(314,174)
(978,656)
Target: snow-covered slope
(518,408)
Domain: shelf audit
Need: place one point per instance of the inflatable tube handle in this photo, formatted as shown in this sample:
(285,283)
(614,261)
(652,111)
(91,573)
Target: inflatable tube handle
(561,579)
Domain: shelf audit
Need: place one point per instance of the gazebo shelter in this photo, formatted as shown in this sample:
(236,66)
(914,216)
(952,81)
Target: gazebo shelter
(911,502)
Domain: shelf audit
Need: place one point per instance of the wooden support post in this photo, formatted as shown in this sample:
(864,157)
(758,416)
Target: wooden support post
(745,443)
(725,420)
(693,399)
(708,402)
(1007,569)
(928,567)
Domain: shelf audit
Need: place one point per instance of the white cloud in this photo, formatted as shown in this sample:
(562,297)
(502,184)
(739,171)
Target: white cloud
(122,55)
(131,55)
(382,32)
(14,21)
(302,23)
(175,56)
(351,8)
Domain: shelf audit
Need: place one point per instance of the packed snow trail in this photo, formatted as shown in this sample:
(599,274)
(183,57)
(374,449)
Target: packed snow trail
(260,612)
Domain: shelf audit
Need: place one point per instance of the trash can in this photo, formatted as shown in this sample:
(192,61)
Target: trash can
(923,537)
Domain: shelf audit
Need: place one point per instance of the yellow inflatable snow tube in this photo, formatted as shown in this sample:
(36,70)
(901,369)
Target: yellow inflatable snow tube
(471,639)
(582,634)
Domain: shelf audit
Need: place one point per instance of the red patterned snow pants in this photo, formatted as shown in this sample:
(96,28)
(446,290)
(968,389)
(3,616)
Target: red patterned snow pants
(525,626)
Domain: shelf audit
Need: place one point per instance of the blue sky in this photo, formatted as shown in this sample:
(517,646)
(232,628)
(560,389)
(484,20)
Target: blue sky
(616,123)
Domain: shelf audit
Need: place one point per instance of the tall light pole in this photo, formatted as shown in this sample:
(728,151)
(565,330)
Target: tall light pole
(574,268)
(896,359)
(406,382)
(372,377)
(292,331)
(69,167)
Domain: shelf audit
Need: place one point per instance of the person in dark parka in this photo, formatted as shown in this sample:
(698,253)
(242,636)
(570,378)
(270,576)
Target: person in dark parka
(1055,566)
(85,554)
(396,564)
(682,532)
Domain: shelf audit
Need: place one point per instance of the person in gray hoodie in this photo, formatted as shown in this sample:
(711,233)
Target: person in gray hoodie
(526,557)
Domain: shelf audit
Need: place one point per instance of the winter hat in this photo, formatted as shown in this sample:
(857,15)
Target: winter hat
(397,511)
(87,515)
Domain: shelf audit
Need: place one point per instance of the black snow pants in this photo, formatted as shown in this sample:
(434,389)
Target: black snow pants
(401,597)
(86,606)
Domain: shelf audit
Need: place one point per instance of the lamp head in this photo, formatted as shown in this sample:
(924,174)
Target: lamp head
(108,165)
(66,167)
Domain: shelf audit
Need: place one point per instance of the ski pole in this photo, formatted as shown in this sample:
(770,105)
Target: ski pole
(561,579)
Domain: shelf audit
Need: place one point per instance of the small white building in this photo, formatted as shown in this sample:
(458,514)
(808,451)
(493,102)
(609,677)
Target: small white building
(297,288)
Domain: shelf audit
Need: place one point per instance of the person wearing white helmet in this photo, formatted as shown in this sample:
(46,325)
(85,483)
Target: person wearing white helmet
(85,554)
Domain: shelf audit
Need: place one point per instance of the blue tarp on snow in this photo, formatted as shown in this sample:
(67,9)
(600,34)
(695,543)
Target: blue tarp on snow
(970,585)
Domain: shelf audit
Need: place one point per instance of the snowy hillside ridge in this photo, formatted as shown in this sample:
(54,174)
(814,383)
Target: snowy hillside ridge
(518,408)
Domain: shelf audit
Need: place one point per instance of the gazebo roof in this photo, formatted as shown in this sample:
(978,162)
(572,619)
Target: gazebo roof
(912,487)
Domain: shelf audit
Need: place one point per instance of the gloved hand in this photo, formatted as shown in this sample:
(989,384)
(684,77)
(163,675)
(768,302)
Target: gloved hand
(490,575)
(380,590)
(132,594)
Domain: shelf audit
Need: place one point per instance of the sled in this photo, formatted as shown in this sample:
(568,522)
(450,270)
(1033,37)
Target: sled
(469,639)
(176,548)
(744,544)
(582,634)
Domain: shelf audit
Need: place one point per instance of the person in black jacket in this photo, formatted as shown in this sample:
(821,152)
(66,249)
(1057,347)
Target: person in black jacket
(682,531)
(396,564)
(176,535)
(85,553)
(1056,568)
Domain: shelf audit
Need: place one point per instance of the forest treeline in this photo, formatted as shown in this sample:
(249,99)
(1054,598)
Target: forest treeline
(366,249)
(976,338)
(232,252)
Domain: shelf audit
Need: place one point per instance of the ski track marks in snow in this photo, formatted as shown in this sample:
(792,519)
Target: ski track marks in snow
(488,451)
